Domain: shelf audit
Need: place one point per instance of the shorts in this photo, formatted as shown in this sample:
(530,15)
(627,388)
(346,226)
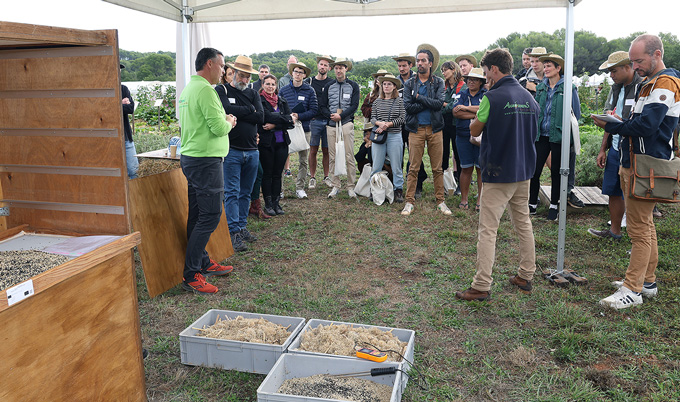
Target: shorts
(467,152)
(611,182)
(318,128)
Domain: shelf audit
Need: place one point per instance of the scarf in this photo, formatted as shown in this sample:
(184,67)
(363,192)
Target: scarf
(273,99)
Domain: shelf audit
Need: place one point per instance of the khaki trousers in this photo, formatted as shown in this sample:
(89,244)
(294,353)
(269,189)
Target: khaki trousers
(644,255)
(350,163)
(416,149)
(494,199)
(303,156)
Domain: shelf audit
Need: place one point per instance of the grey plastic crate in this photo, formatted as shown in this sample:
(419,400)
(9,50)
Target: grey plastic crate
(250,357)
(297,365)
(404,335)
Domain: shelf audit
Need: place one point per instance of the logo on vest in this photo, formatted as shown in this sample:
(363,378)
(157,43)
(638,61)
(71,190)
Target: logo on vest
(516,105)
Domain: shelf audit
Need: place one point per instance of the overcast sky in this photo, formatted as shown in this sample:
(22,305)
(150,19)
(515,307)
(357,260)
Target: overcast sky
(357,38)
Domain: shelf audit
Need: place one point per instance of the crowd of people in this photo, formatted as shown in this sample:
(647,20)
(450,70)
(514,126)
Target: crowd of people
(478,119)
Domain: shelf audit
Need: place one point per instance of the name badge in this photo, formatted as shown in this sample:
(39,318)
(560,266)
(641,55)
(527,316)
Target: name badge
(301,98)
(630,102)
(232,100)
(345,96)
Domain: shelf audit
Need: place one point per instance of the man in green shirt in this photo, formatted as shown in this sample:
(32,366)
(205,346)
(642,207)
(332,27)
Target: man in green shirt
(205,143)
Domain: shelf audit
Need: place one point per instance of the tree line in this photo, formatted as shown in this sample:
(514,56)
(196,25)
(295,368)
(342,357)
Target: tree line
(590,51)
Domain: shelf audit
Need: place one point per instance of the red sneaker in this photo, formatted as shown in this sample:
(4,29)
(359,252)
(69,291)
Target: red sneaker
(198,285)
(215,269)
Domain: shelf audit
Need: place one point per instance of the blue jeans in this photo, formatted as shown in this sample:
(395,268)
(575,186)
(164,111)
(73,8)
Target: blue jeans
(393,147)
(131,159)
(240,171)
(318,128)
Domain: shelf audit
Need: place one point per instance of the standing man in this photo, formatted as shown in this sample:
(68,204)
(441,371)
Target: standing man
(286,79)
(262,72)
(339,101)
(404,63)
(130,151)
(466,63)
(508,116)
(204,145)
(240,165)
(535,74)
(648,131)
(526,64)
(318,124)
(302,101)
(619,102)
(423,101)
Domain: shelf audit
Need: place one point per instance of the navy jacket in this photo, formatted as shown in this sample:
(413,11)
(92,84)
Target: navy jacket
(304,94)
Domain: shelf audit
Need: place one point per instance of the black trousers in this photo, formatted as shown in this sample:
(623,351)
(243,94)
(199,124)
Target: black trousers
(449,135)
(544,148)
(205,186)
(273,159)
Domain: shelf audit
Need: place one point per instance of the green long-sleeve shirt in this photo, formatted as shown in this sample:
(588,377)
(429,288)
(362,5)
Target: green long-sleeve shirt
(203,122)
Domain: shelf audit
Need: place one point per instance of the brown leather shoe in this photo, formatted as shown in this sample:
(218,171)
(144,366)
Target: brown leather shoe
(473,294)
(523,284)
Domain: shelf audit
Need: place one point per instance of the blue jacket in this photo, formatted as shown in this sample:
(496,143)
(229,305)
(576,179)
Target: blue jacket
(433,101)
(304,94)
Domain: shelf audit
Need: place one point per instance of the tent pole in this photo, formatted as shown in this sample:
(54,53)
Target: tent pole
(185,42)
(566,132)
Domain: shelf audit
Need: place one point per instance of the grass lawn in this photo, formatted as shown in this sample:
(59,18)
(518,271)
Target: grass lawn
(353,261)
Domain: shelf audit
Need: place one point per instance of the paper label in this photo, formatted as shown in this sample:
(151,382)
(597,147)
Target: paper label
(232,100)
(301,98)
(20,292)
(345,96)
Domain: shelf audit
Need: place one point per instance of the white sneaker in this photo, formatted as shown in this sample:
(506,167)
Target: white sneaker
(648,289)
(445,210)
(333,192)
(623,221)
(622,298)
(327,181)
(301,194)
(351,193)
(281,195)
(312,183)
(408,208)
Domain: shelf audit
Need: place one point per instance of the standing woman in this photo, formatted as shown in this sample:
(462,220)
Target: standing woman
(453,85)
(274,142)
(549,94)
(388,114)
(465,111)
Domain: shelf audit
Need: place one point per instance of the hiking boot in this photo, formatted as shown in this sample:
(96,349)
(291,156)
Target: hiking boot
(237,242)
(523,284)
(277,207)
(215,269)
(648,289)
(553,214)
(198,285)
(445,210)
(399,196)
(604,234)
(333,192)
(312,183)
(269,207)
(408,208)
(473,295)
(574,201)
(247,236)
(327,181)
(622,298)
(301,194)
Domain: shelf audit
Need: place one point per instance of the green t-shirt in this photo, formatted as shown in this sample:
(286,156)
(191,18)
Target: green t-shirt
(483,112)
(203,122)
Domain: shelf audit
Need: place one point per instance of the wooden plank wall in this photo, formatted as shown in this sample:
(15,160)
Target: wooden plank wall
(62,159)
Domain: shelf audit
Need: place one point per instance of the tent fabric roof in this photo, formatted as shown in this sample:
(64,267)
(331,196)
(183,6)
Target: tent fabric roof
(253,10)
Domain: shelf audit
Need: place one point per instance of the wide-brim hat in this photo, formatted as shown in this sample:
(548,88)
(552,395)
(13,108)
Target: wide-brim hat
(243,63)
(616,59)
(553,57)
(343,62)
(391,78)
(476,73)
(301,65)
(538,52)
(324,57)
(379,73)
(435,54)
(405,57)
(468,57)
(368,126)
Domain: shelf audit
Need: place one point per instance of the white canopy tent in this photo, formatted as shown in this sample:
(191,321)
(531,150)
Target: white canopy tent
(198,11)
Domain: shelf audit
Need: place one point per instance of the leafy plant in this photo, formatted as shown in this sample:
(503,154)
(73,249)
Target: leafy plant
(146,98)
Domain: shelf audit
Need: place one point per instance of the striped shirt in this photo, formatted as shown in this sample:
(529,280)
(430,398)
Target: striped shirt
(380,111)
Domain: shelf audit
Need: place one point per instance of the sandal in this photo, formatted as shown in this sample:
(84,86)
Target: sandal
(463,205)
(477,207)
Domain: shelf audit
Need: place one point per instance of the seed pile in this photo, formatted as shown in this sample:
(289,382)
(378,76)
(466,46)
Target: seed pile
(330,387)
(19,265)
(241,329)
(148,166)
(344,339)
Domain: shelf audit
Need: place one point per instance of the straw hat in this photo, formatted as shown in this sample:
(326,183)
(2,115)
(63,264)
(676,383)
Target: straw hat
(343,62)
(538,52)
(616,59)
(243,63)
(379,73)
(368,125)
(324,57)
(435,54)
(476,73)
(472,59)
(301,65)
(390,78)
(553,57)
(405,57)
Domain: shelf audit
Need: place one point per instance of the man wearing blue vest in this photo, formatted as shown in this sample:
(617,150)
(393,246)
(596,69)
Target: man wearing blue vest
(508,119)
